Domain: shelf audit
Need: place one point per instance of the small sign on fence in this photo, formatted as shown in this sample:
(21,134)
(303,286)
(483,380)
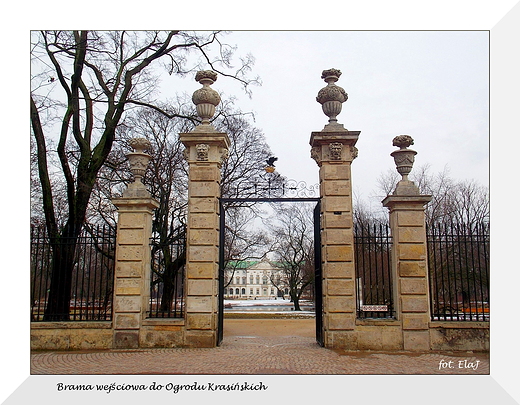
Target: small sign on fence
(381,308)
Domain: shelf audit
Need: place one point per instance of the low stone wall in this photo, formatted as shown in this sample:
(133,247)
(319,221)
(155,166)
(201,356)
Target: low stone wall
(162,333)
(71,335)
(459,336)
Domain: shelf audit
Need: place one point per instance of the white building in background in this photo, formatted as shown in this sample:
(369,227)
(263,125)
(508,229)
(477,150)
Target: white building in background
(252,280)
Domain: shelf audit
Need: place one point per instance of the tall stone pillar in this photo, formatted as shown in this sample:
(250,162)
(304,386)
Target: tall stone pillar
(205,150)
(409,254)
(132,270)
(333,149)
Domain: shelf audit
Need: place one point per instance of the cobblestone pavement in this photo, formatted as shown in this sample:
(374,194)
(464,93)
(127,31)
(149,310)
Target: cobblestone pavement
(256,355)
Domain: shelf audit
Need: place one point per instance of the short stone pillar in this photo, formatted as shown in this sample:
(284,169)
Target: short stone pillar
(409,252)
(205,150)
(333,149)
(132,269)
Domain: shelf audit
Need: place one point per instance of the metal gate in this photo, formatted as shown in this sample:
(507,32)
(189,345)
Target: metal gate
(317,259)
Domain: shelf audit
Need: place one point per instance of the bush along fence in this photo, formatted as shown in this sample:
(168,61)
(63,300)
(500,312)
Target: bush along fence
(458,259)
(92,274)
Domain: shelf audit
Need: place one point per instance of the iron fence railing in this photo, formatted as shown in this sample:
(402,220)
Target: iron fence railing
(373,246)
(458,261)
(167,275)
(92,274)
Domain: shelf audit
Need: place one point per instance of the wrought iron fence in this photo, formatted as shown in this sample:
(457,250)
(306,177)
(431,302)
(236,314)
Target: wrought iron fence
(167,278)
(373,246)
(458,260)
(92,274)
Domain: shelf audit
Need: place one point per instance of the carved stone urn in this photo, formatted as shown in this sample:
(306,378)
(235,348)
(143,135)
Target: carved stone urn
(331,96)
(404,157)
(205,98)
(139,159)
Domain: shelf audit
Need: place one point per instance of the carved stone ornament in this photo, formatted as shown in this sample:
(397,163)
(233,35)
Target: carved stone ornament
(316,154)
(224,155)
(139,160)
(205,98)
(335,150)
(202,152)
(332,96)
(402,141)
(353,152)
(403,158)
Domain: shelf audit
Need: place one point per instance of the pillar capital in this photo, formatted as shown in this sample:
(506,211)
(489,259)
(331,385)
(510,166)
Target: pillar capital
(334,146)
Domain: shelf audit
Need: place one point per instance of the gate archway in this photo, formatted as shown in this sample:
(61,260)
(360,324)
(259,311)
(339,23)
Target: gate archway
(318,295)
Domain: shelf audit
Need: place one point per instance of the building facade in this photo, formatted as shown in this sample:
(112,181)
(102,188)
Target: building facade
(255,280)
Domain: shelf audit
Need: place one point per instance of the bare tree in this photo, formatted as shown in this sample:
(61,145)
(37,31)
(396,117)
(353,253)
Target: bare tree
(293,248)
(82,84)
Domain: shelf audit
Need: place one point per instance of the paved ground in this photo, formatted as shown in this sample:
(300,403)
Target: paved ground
(258,346)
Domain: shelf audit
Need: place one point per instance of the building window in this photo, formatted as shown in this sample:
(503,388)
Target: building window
(272,291)
(250,291)
(244,280)
(265,291)
(264,280)
(243,291)
(250,279)
(258,291)
(257,279)
(237,291)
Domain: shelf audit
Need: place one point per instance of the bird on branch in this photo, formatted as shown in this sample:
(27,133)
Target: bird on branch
(271,160)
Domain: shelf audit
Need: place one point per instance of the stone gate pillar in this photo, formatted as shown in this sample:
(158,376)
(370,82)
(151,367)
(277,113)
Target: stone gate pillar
(333,149)
(205,150)
(409,252)
(132,269)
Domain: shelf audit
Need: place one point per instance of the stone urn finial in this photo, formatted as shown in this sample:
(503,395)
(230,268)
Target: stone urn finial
(139,159)
(404,159)
(331,96)
(205,98)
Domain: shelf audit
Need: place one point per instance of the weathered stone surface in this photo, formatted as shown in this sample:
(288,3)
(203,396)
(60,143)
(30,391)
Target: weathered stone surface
(336,188)
(338,270)
(203,204)
(409,251)
(345,340)
(340,321)
(203,221)
(337,237)
(201,270)
(370,338)
(202,253)
(152,337)
(340,304)
(413,285)
(203,237)
(410,218)
(463,337)
(128,286)
(331,220)
(128,252)
(412,234)
(204,189)
(123,303)
(131,220)
(200,338)
(412,268)
(335,172)
(202,287)
(129,269)
(200,321)
(416,340)
(339,253)
(126,339)
(202,304)
(127,321)
(131,237)
(340,287)
(414,303)
(204,173)
(415,321)
(334,203)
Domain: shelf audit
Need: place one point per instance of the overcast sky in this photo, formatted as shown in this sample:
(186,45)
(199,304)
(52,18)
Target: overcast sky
(432,85)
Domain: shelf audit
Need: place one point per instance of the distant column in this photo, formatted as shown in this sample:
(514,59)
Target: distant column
(205,150)
(132,270)
(333,149)
(409,254)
